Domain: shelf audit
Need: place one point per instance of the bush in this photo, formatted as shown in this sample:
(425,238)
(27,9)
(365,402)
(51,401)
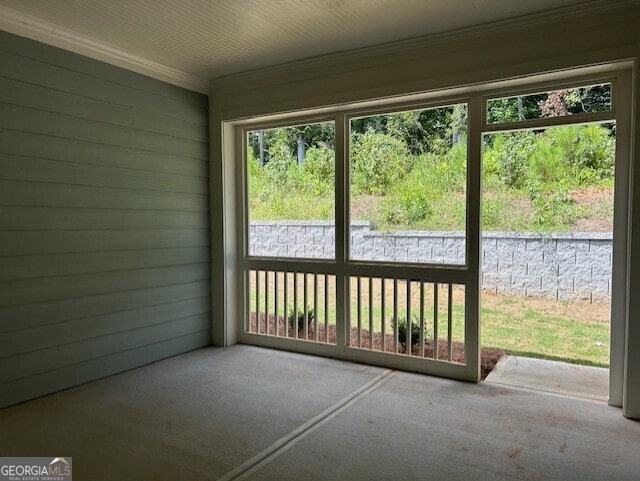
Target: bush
(298,318)
(318,171)
(512,152)
(554,207)
(402,331)
(589,150)
(378,161)
(409,206)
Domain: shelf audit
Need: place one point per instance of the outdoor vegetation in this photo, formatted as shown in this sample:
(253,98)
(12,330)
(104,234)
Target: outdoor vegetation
(408,169)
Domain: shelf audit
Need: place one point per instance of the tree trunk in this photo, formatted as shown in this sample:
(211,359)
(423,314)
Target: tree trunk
(302,151)
(261,147)
(520,109)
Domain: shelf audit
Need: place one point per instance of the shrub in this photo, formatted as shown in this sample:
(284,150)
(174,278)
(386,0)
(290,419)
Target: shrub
(318,170)
(402,331)
(554,207)
(588,148)
(409,206)
(297,319)
(512,151)
(378,161)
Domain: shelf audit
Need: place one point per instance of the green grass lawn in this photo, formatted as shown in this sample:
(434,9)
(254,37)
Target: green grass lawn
(544,329)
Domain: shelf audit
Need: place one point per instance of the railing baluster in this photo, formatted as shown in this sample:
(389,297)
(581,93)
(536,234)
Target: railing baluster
(286,304)
(275,302)
(383,301)
(395,315)
(359,311)
(266,302)
(435,320)
(450,322)
(258,301)
(326,308)
(295,305)
(409,324)
(315,307)
(421,318)
(247,301)
(370,312)
(306,305)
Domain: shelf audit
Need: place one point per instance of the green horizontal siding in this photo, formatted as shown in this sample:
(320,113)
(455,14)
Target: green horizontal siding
(26,119)
(99,367)
(28,144)
(60,172)
(104,224)
(75,330)
(52,100)
(67,241)
(41,194)
(56,303)
(42,218)
(15,66)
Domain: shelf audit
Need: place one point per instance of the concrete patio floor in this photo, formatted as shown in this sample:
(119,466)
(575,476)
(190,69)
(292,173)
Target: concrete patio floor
(552,376)
(251,413)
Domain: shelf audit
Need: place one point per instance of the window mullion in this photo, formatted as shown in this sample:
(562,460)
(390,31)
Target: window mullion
(341,228)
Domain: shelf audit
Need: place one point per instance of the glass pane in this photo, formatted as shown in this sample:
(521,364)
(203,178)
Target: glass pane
(291,178)
(408,186)
(556,103)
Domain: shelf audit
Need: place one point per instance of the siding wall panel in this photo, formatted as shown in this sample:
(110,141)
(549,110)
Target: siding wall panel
(87,84)
(67,241)
(104,225)
(14,167)
(99,367)
(28,144)
(52,100)
(30,49)
(42,193)
(52,310)
(40,121)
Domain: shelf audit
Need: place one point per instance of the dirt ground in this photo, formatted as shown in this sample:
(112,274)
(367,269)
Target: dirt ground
(488,356)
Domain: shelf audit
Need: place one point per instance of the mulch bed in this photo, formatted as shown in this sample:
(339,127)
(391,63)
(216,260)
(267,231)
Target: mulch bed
(489,356)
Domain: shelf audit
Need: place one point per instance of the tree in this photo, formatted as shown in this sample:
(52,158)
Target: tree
(296,140)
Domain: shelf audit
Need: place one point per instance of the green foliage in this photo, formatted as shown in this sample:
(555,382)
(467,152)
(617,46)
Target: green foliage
(283,141)
(318,171)
(297,319)
(594,98)
(410,206)
(553,205)
(402,331)
(530,177)
(589,150)
(514,108)
(410,202)
(549,167)
(432,130)
(378,162)
(510,152)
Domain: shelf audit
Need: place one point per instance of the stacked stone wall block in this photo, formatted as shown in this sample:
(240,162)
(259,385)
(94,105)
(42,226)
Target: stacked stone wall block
(573,266)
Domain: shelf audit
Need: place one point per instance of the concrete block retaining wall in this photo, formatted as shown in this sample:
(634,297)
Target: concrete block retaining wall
(570,266)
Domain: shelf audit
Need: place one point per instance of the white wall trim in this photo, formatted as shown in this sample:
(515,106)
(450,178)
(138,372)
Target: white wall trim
(49,33)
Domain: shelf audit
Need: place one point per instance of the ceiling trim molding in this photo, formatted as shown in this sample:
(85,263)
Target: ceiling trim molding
(49,33)
(338,60)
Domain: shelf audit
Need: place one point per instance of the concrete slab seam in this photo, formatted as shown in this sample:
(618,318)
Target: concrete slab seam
(286,442)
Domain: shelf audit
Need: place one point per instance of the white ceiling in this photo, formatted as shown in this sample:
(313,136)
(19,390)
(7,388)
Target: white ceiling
(205,39)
